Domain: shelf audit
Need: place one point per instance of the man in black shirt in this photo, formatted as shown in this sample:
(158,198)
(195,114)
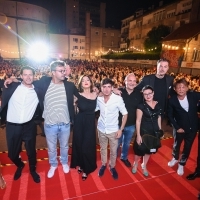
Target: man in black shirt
(161,83)
(131,99)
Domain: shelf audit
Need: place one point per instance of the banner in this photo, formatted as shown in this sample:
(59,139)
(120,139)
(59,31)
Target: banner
(174,56)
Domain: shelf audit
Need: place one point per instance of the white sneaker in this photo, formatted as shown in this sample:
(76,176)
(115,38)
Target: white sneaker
(65,168)
(172,162)
(51,172)
(142,165)
(180,170)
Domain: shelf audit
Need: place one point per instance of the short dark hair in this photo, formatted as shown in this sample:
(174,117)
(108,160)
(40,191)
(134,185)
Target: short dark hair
(57,63)
(147,87)
(80,83)
(183,81)
(162,60)
(107,81)
(28,68)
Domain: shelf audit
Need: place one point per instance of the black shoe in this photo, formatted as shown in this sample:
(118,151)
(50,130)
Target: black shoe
(18,172)
(126,162)
(193,176)
(101,171)
(35,176)
(198,196)
(114,173)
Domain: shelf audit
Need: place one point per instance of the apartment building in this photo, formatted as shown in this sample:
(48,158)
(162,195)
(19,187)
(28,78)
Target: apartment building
(76,15)
(173,15)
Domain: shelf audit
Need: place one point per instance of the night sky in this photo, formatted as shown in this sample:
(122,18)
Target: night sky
(116,10)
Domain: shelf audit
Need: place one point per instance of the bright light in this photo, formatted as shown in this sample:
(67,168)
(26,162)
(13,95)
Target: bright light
(38,51)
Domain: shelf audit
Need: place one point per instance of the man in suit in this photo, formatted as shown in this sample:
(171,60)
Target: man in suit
(182,113)
(161,83)
(196,173)
(19,103)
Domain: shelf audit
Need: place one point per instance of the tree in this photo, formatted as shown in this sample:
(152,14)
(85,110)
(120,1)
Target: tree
(154,37)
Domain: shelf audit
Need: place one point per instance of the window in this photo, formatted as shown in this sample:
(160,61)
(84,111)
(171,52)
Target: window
(82,47)
(97,33)
(75,39)
(198,56)
(104,34)
(75,47)
(194,54)
(82,40)
(158,16)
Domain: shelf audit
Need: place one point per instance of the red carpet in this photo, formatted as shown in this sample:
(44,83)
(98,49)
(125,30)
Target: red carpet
(162,183)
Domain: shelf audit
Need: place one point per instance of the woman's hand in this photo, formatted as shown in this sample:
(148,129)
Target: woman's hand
(139,139)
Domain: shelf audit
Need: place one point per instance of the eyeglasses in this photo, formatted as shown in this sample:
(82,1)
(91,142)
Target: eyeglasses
(61,71)
(149,94)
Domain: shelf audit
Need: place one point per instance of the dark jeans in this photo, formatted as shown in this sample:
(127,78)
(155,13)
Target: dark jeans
(188,139)
(15,135)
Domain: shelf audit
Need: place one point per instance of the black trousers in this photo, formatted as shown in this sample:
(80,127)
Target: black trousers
(188,139)
(15,135)
(198,156)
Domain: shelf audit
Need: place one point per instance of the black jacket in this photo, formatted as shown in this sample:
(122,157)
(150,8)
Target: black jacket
(179,118)
(150,80)
(40,87)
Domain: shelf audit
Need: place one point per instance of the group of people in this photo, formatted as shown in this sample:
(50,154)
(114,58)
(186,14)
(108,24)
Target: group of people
(143,107)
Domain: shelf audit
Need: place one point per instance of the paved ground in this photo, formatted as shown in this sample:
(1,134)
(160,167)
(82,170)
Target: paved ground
(41,141)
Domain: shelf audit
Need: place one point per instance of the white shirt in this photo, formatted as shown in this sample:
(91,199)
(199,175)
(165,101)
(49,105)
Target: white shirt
(22,105)
(109,113)
(184,103)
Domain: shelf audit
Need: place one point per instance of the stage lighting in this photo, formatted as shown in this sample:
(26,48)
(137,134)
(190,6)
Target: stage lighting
(38,51)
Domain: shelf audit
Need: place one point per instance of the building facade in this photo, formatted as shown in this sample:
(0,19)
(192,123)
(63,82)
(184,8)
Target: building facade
(20,25)
(76,15)
(173,15)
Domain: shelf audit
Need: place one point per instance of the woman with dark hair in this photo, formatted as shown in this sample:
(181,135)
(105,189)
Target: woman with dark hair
(84,133)
(148,120)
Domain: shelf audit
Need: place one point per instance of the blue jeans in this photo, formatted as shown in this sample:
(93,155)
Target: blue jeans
(125,140)
(61,132)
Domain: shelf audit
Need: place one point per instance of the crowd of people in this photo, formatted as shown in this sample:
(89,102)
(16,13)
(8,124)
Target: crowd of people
(96,70)
(115,91)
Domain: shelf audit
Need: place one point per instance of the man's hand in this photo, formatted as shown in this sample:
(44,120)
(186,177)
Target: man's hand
(118,133)
(180,130)
(7,82)
(117,92)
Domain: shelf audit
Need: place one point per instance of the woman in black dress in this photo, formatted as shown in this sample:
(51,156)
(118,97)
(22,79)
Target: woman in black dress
(147,121)
(84,134)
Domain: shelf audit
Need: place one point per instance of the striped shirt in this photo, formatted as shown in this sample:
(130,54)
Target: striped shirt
(55,105)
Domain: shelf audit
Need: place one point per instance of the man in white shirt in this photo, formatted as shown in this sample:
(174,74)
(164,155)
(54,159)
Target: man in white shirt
(108,129)
(19,103)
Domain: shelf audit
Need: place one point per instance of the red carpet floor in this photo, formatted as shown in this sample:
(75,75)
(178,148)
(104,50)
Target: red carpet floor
(162,183)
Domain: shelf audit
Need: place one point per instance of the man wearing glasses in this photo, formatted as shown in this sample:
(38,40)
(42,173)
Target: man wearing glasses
(57,94)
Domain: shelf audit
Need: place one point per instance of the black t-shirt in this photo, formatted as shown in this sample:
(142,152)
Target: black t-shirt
(160,92)
(131,102)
